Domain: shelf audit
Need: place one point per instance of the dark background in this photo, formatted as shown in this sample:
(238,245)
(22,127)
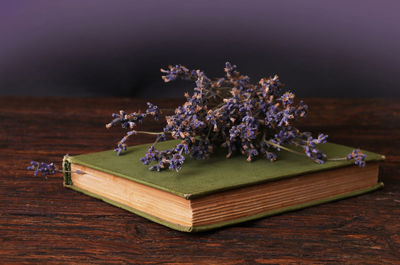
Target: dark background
(116,48)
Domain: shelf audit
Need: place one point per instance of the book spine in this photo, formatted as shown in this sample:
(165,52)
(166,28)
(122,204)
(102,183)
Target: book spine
(66,165)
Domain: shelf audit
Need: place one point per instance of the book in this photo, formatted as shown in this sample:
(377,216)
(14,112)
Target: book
(215,192)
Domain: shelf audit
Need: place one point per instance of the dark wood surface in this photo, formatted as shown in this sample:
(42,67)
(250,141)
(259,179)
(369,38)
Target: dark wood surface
(41,222)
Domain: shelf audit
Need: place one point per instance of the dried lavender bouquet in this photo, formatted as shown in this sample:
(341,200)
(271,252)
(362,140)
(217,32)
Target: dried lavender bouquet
(228,112)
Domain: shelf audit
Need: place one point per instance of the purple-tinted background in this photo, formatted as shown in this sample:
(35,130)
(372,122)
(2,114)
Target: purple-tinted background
(318,48)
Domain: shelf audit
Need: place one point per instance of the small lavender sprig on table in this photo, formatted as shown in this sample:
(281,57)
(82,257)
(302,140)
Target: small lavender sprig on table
(229,112)
(43,168)
(47,169)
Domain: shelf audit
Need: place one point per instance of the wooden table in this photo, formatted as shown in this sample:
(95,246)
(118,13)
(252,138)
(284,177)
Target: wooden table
(41,222)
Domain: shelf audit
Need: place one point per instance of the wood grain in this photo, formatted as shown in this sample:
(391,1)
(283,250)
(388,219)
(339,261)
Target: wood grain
(43,223)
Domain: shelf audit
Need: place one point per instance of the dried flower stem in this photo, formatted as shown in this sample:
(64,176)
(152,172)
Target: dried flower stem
(284,148)
(151,133)
(302,154)
(337,159)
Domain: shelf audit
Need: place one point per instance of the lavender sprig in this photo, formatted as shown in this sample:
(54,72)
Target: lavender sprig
(358,156)
(253,119)
(130,121)
(47,169)
(43,168)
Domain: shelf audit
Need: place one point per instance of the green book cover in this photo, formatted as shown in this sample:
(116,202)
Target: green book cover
(202,177)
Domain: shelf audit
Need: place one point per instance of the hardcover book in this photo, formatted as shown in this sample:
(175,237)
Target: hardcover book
(215,192)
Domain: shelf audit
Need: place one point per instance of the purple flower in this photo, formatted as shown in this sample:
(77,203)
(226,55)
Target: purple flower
(252,154)
(176,162)
(315,154)
(161,137)
(155,168)
(287,98)
(176,71)
(126,121)
(151,155)
(229,69)
(120,147)
(270,156)
(358,156)
(152,110)
(42,168)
